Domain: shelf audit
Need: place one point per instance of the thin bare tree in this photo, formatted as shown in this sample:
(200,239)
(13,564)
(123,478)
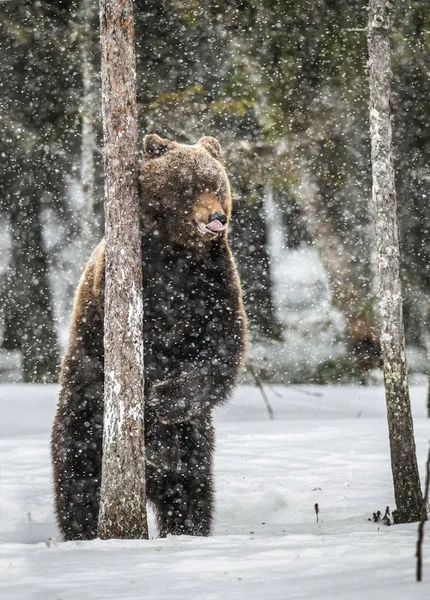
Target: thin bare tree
(407,489)
(123,491)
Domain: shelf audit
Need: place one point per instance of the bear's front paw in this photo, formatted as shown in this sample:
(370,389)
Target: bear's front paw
(170,413)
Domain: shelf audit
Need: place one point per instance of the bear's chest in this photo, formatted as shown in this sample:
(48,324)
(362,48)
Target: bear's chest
(176,295)
(184,305)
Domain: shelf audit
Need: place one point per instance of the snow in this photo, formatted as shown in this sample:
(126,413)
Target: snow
(327,445)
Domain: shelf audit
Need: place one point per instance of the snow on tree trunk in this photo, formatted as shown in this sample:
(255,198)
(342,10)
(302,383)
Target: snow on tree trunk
(407,489)
(89,106)
(123,491)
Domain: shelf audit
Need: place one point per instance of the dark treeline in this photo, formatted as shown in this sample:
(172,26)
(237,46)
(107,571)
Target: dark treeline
(282,84)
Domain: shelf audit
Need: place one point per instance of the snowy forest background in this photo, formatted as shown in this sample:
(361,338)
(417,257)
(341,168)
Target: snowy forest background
(284,87)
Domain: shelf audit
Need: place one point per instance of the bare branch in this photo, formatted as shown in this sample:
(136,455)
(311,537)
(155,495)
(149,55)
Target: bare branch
(257,380)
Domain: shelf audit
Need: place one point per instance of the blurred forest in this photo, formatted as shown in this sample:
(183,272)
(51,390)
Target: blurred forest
(283,85)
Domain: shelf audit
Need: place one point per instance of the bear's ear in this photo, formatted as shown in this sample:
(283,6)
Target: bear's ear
(154,146)
(213,146)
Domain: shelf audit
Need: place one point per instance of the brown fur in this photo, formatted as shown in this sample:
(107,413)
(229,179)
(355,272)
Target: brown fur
(205,205)
(194,331)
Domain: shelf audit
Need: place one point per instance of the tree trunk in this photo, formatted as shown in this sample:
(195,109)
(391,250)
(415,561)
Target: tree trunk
(428,396)
(250,248)
(89,108)
(407,489)
(29,315)
(123,488)
(350,293)
(295,232)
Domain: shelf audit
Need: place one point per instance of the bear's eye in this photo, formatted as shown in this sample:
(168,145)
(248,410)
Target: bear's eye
(220,195)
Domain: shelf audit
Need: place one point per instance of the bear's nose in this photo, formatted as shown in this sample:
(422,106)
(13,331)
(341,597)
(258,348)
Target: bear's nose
(217,216)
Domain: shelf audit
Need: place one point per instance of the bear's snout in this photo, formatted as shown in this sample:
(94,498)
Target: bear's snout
(209,215)
(217,221)
(218,216)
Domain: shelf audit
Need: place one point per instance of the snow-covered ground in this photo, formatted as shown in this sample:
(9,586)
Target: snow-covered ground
(327,445)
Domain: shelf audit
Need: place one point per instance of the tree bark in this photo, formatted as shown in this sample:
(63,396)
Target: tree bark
(123,489)
(407,489)
(89,107)
(428,396)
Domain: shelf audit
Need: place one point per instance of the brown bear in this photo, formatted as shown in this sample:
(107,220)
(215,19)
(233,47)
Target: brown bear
(194,339)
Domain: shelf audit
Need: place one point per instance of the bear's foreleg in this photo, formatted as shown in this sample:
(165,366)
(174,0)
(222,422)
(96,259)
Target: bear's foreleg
(191,395)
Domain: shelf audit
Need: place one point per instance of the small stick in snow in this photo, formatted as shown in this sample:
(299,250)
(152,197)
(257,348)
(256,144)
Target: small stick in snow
(263,393)
(317,510)
(299,389)
(419,554)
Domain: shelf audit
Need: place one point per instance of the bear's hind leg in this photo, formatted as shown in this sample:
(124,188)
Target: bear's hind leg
(77,506)
(182,494)
(76,452)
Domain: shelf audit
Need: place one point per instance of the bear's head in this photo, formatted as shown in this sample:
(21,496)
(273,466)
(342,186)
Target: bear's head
(185,193)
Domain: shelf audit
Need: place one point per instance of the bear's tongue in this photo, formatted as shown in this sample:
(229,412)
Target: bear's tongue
(216,225)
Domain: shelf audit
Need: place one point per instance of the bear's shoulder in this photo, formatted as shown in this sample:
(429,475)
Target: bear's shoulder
(90,292)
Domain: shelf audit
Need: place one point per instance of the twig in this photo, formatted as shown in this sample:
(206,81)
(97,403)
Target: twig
(299,389)
(317,510)
(307,392)
(263,393)
(418,554)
